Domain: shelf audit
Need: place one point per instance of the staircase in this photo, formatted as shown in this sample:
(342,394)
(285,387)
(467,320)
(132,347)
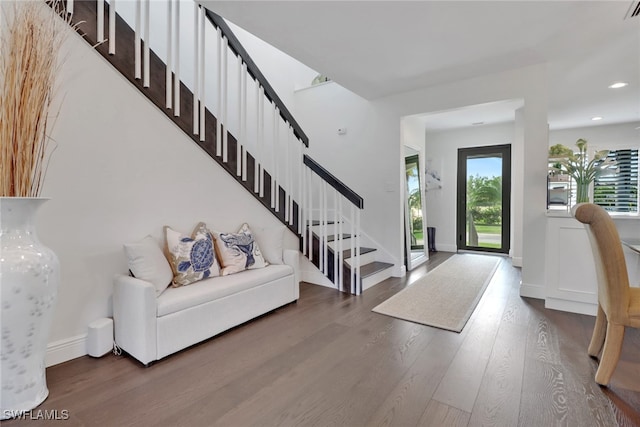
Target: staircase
(248,132)
(372,272)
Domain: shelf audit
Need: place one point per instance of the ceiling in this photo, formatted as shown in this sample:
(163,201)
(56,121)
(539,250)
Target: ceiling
(380,48)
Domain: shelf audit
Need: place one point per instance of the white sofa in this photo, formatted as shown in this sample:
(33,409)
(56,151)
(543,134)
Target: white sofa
(150,328)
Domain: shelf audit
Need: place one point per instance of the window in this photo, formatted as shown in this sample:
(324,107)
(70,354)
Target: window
(618,192)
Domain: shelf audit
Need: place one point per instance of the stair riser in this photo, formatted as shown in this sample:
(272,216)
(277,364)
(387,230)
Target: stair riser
(364,259)
(376,278)
(330,229)
(346,244)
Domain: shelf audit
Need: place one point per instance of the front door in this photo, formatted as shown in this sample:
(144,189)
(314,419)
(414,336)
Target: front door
(484,198)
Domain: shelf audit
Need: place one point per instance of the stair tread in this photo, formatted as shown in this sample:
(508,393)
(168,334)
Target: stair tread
(332,237)
(347,252)
(317,222)
(373,268)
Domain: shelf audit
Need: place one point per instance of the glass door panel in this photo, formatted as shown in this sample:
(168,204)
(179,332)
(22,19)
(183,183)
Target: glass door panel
(484,176)
(414,196)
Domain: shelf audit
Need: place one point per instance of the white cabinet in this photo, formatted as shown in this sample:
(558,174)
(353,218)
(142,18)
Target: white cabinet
(571,276)
(570,271)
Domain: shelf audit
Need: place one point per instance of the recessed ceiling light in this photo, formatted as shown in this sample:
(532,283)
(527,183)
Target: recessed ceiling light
(596,118)
(618,85)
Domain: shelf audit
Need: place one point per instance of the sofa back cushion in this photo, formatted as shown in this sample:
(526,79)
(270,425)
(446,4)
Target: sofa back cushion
(147,262)
(192,258)
(238,251)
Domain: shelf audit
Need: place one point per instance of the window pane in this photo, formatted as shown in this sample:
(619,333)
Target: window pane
(484,201)
(618,192)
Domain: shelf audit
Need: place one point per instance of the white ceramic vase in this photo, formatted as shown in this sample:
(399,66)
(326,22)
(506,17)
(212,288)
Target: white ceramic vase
(29,277)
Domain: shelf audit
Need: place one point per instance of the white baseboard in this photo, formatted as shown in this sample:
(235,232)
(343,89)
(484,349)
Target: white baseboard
(446,248)
(399,270)
(316,278)
(571,306)
(532,291)
(66,349)
(516,261)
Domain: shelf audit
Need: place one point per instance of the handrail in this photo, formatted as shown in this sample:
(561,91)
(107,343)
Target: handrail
(348,193)
(256,74)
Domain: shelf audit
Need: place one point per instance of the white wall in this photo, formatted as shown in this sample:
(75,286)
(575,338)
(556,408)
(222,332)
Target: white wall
(122,171)
(604,137)
(368,158)
(442,148)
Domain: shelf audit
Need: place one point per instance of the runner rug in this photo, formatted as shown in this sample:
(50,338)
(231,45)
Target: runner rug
(447,295)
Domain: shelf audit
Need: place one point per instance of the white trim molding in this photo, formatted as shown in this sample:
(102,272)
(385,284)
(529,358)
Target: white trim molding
(532,291)
(65,350)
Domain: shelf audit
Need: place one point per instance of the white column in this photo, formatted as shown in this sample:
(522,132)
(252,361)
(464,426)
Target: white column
(352,246)
(145,64)
(244,121)
(322,230)
(339,258)
(261,140)
(310,212)
(300,187)
(225,99)
(302,205)
(337,239)
(138,42)
(256,155)
(357,266)
(168,83)
(219,92)
(112,25)
(196,68)
(240,130)
(275,197)
(202,74)
(325,237)
(288,215)
(100,23)
(176,58)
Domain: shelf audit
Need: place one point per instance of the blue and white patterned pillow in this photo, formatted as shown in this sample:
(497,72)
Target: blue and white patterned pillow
(191,258)
(238,251)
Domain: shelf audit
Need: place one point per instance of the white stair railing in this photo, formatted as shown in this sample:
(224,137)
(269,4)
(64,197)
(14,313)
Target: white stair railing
(198,43)
(325,215)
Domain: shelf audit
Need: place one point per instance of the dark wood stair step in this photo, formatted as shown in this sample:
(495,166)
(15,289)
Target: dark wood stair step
(347,252)
(373,268)
(317,222)
(332,237)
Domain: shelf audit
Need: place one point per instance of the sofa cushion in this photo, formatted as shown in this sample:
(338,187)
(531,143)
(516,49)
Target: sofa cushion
(147,262)
(177,299)
(271,241)
(238,251)
(192,258)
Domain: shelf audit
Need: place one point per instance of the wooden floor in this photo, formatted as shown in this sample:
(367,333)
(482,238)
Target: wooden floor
(329,360)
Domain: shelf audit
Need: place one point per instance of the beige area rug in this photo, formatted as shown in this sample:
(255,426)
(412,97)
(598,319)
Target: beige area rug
(447,295)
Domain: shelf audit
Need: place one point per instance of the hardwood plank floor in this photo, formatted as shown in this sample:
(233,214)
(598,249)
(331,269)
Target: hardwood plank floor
(329,360)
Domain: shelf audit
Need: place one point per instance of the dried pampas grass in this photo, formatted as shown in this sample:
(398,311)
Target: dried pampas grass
(32,34)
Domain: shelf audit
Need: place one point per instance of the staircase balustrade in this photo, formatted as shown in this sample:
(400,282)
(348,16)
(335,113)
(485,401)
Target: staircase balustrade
(243,104)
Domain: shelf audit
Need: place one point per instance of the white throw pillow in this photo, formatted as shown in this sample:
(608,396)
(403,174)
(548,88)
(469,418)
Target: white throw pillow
(271,241)
(147,262)
(238,251)
(192,258)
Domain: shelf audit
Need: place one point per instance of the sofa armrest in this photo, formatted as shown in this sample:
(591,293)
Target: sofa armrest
(291,257)
(134,316)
